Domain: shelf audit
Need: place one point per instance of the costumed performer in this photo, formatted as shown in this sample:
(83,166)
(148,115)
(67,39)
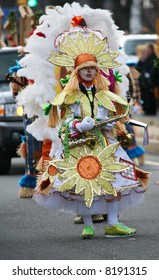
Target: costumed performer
(30,148)
(90,173)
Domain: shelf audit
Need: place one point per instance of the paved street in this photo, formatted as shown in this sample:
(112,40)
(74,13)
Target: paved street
(28,231)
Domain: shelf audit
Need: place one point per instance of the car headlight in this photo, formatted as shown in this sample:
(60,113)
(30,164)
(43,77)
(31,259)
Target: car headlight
(12,110)
(2,110)
(20,111)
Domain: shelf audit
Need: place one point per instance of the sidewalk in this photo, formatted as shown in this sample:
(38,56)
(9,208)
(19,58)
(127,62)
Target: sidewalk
(153,128)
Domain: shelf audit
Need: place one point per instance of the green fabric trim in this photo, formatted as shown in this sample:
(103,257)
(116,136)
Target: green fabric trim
(78,118)
(65,80)
(65,143)
(46,108)
(101,137)
(118,77)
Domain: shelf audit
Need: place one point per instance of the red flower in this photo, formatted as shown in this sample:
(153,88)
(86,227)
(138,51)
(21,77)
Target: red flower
(10,37)
(76,20)
(31,82)
(40,34)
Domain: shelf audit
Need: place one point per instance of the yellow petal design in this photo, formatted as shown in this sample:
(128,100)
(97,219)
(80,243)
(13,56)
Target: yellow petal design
(65,49)
(90,44)
(105,101)
(107,175)
(81,43)
(82,151)
(65,163)
(48,174)
(109,64)
(95,187)
(108,161)
(44,176)
(114,97)
(71,51)
(72,45)
(69,183)
(74,152)
(68,173)
(88,195)
(88,150)
(107,187)
(59,99)
(107,56)
(71,98)
(86,107)
(108,151)
(79,187)
(82,182)
(100,47)
(116,167)
(61,60)
(98,148)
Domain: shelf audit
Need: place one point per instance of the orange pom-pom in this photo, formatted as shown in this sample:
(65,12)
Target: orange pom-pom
(76,20)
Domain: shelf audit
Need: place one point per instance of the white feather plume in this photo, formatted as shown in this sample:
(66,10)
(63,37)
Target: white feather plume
(37,68)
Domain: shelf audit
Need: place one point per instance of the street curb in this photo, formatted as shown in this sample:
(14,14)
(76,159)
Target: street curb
(153,128)
(153,146)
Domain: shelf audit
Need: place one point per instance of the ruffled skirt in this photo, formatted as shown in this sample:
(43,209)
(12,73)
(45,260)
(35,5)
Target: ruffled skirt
(129,188)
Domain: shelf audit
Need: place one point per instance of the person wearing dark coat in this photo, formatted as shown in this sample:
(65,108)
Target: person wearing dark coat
(148,80)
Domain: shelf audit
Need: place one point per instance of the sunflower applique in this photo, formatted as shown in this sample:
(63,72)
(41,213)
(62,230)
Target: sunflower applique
(90,171)
(46,179)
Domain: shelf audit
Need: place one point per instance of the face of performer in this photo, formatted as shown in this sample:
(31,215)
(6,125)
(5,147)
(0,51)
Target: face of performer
(88,73)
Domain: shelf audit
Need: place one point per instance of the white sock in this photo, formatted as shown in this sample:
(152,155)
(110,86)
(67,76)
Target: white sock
(113,210)
(87,219)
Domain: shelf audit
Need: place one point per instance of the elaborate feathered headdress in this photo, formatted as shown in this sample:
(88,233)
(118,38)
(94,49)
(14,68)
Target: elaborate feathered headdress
(82,44)
(38,47)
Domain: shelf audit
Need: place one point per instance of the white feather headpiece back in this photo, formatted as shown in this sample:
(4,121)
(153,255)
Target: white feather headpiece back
(41,44)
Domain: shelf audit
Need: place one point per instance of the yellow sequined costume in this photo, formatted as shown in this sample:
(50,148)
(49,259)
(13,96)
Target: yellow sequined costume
(89,169)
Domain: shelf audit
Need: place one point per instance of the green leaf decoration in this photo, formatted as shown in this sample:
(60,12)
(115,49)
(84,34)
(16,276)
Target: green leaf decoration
(156,63)
(65,80)
(118,77)
(47,108)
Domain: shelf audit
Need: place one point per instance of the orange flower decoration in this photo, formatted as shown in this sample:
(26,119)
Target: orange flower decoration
(76,20)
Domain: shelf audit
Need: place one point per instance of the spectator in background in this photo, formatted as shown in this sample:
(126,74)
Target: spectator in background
(148,79)
(134,88)
(134,151)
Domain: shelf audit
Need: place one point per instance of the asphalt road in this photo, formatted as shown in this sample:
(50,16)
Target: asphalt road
(29,231)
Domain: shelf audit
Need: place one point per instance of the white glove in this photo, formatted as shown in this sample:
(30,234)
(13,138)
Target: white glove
(109,126)
(87,124)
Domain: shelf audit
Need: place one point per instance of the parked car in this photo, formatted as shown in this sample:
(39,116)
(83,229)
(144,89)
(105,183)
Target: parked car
(128,44)
(11,123)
